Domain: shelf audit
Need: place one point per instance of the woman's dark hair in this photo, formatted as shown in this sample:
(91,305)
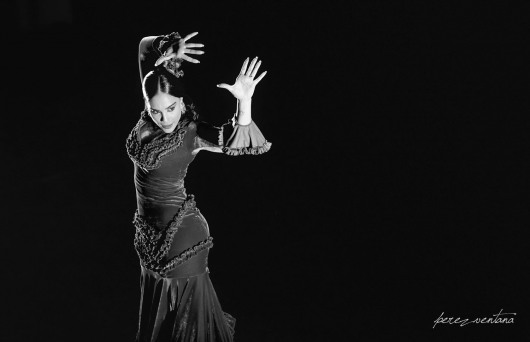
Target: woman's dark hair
(162,80)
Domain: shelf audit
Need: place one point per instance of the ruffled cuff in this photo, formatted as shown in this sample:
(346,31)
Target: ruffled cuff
(246,139)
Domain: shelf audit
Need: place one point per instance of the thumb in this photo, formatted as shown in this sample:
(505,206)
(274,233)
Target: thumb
(164,58)
(224,85)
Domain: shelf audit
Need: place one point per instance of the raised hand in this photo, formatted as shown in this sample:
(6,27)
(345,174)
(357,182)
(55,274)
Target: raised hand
(244,86)
(183,49)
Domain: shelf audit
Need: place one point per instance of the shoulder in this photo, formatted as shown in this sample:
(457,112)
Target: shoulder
(192,125)
(192,128)
(146,131)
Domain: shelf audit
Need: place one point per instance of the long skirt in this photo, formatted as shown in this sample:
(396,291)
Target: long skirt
(179,303)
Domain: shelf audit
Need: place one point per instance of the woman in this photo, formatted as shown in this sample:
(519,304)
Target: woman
(178,301)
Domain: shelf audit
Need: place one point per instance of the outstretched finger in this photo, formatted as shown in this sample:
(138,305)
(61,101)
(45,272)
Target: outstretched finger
(193,52)
(255,71)
(190,36)
(193,45)
(260,77)
(189,59)
(244,67)
(251,67)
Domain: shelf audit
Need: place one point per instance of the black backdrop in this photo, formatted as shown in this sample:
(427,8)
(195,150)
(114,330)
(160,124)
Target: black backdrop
(391,193)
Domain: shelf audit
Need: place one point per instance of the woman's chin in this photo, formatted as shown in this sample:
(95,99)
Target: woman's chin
(168,129)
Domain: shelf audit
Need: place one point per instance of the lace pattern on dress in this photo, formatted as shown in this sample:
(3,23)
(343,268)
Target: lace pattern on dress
(152,245)
(148,155)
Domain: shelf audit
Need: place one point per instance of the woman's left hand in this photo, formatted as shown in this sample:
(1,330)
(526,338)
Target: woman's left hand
(243,88)
(183,48)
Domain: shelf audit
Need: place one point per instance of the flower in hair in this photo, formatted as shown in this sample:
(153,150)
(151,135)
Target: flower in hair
(172,65)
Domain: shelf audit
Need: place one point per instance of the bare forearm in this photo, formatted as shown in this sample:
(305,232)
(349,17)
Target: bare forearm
(243,89)
(244,111)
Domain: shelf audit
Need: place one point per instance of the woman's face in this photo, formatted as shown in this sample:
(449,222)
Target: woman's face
(165,110)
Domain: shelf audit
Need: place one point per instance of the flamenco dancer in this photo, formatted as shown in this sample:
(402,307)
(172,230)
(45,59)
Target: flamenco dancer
(172,239)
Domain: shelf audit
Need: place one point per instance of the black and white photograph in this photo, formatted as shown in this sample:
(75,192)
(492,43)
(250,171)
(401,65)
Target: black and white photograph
(265,171)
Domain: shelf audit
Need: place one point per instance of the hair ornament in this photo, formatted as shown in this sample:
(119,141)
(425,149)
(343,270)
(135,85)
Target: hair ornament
(167,41)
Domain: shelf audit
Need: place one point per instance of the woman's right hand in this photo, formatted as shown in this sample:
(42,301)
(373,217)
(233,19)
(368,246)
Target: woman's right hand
(183,49)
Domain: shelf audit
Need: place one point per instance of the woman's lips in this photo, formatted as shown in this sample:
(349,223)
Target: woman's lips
(167,127)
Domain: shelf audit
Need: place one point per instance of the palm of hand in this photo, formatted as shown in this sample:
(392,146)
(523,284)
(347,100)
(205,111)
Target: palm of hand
(181,50)
(244,86)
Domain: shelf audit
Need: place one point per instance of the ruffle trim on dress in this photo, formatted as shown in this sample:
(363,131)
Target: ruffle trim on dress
(186,255)
(247,150)
(148,156)
(220,138)
(151,244)
(246,139)
(174,225)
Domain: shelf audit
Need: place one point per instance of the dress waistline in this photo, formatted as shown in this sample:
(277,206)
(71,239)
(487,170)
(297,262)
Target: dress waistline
(152,245)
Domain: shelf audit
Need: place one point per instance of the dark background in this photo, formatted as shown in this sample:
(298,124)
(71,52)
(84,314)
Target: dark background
(392,192)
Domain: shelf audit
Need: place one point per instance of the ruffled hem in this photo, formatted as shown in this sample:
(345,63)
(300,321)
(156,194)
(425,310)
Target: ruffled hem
(246,139)
(247,150)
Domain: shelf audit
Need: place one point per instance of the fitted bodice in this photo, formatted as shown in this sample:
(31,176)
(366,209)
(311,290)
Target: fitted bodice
(160,167)
(161,159)
(169,227)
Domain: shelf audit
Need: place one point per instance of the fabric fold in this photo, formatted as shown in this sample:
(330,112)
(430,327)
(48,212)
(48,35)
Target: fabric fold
(182,310)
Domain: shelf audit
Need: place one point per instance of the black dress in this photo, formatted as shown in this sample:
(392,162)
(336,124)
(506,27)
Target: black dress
(172,239)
